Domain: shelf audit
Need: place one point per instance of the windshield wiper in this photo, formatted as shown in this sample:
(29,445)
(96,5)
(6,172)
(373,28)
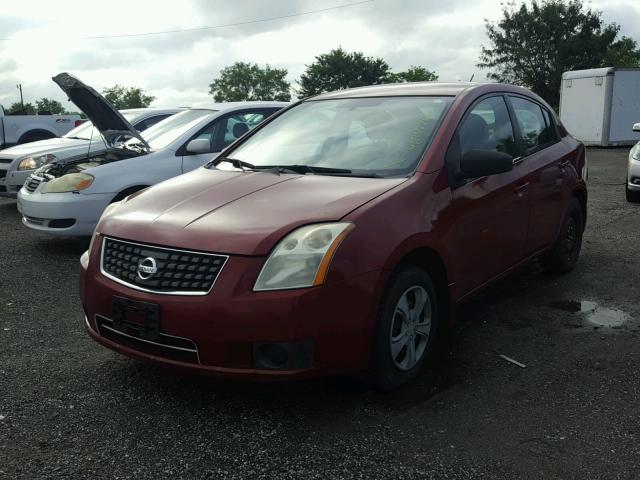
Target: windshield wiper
(239,164)
(303,169)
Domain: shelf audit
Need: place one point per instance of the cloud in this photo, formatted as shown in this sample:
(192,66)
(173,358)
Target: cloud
(177,68)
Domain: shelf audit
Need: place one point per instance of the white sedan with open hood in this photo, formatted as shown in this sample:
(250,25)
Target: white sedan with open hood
(68,198)
(17,163)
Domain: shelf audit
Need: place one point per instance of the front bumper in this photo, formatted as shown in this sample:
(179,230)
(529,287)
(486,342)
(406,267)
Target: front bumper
(328,327)
(12,182)
(65,214)
(633,175)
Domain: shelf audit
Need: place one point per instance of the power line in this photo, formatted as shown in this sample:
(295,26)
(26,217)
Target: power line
(236,24)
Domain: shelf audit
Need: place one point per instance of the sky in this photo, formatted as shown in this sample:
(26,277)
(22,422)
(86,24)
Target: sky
(39,39)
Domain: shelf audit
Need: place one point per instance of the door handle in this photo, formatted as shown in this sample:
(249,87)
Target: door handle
(521,188)
(564,164)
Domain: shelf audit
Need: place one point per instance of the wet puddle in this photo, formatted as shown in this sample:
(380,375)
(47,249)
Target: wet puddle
(594,314)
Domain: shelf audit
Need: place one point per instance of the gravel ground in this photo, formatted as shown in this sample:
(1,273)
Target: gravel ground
(72,409)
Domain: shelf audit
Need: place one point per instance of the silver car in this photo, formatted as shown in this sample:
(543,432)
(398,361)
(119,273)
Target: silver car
(633,173)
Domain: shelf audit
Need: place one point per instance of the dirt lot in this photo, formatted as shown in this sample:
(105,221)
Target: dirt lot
(72,409)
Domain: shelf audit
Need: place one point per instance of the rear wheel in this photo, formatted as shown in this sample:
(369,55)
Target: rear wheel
(563,256)
(633,196)
(35,136)
(406,328)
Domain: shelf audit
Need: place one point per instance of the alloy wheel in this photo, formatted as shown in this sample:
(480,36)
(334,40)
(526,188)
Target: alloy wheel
(410,328)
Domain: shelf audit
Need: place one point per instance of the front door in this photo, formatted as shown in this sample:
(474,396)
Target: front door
(492,212)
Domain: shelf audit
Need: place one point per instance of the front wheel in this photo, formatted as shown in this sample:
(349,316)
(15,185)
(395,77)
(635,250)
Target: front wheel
(633,196)
(563,256)
(406,327)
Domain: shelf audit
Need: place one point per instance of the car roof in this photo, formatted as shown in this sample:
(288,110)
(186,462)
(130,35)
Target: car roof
(141,111)
(237,105)
(402,89)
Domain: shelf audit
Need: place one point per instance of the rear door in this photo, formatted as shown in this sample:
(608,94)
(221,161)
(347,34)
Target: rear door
(546,160)
(492,212)
(221,132)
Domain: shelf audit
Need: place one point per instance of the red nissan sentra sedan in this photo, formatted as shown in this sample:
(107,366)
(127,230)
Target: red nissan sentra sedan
(339,235)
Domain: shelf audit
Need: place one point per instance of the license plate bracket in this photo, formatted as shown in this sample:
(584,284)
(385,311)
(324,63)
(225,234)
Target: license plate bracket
(139,319)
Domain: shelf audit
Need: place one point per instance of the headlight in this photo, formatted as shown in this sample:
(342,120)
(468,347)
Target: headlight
(84,258)
(635,152)
(31,163)
(302,258)
(72,182)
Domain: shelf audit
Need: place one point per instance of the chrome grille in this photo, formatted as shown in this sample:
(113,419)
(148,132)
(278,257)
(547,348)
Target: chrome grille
(178,272)
(32,183)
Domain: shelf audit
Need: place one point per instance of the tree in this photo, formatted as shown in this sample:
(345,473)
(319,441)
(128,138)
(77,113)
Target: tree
(339,69)
(623,53)
(413,74)
(18,109)
(533,45)
(49,106)
(244,81)
(122,97)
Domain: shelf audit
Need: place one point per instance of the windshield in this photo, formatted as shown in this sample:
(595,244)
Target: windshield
(375,136)
(87,132)
(163,133)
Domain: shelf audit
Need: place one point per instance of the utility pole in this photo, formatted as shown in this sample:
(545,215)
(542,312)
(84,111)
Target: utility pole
(19,86)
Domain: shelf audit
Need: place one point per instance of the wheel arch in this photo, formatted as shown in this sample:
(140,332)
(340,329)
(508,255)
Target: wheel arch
(580,193)
(128,191)
(433,262)
(36,131)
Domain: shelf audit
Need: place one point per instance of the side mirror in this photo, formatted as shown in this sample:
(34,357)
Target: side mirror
(199,145)
(636,127)
(480,163)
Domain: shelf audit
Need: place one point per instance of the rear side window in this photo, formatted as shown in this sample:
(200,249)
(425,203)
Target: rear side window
(550,134)
(488,127)
(150,122)
(536,131)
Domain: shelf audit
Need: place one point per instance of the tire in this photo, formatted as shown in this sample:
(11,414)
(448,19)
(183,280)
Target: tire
(563,256)
(632,196)
(391,366)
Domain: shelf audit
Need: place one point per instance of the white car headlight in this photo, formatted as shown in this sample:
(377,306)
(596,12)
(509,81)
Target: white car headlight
(31,163)
(72,182)
(635,152)
(302,258)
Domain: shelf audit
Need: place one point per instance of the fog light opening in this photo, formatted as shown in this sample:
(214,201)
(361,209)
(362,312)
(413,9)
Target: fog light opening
(62,223)
(271,355)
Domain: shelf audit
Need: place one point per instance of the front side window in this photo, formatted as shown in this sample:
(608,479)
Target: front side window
(533,127)
(488,127)
(383,135)
(239,124)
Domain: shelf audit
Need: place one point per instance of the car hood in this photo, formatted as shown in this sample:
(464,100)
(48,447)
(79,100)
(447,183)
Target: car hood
(50,145)
(109,121)
(243,213)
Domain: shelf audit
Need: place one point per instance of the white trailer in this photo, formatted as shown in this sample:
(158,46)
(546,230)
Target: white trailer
(15,129)
(600,106)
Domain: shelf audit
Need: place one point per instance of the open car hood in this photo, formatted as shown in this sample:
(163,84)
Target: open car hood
(109,122)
